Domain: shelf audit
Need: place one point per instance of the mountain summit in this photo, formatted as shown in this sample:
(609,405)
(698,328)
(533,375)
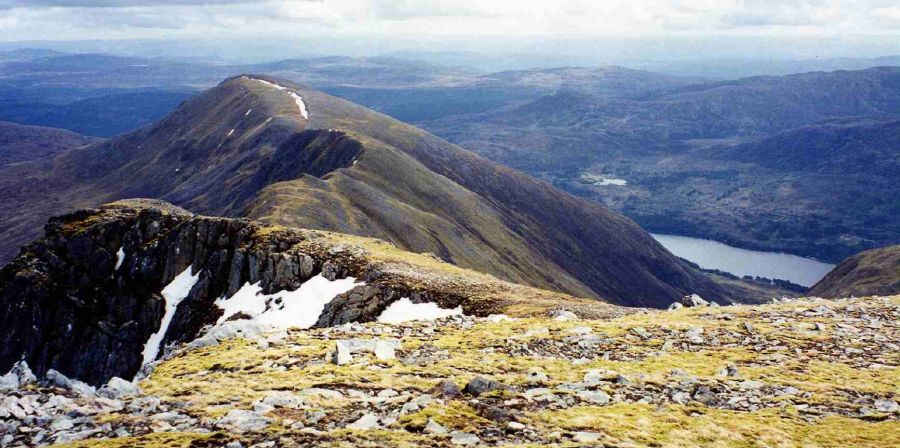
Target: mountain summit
(280,153)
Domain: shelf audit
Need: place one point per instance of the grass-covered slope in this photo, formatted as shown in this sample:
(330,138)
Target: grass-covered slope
(875,271)
(243,149)
(20,143)
(803,164)
(799,373)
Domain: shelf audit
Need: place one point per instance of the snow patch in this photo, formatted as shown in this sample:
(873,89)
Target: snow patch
(297,98)
(248,112)
(300,105)
(285,309)
(120,258)
(405,310)
(173,294)
(603,179)
(230,133)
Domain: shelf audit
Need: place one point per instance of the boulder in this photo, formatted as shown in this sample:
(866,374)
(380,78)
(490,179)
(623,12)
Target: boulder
(464,438)
(563,315)
(366,422)
(693,300)
(243,421)
(446,389)
(384,350)
(118,388)
(433,427)
(481,385)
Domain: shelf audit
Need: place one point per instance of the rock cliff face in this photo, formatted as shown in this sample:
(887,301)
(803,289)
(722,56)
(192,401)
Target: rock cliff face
(87,297)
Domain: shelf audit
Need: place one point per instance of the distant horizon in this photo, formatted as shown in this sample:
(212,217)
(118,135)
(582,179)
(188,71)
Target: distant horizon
(597,33)
(683,62)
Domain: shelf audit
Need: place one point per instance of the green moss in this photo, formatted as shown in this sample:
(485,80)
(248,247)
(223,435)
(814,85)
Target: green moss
(454,416)
(679,426)
(158,440)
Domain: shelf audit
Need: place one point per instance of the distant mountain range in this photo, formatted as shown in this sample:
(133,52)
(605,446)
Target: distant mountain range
(769,162)
(245,148)
(725,160)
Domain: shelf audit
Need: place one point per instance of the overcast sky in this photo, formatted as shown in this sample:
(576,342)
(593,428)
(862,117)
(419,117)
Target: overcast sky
(434,20)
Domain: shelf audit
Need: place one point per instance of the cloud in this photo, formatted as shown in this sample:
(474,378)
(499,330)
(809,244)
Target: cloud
(420,19)
(407,9)
(7,4)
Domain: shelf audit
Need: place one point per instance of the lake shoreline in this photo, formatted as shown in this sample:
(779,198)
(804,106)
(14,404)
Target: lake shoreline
(711,254)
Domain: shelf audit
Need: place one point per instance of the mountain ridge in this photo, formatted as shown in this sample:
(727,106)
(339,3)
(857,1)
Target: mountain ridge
(216,153)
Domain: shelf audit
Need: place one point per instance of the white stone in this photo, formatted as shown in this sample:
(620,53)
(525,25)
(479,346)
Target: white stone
(366,422)
(887,406)
(563,315)
(384,350)
(536,376)
(464,438)
(594,396)
(515,426)
(9,382)
(434,427)
(243,421)
(586,437)
(119,388)
(342,355)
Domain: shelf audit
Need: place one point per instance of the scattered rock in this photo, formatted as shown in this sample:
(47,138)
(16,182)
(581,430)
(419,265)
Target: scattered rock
(563,315)
(675,306)
(243,421)
(515,426)
(641,332)
(383,350)
(480,385)
(594,397)
(586,437)
(464,438)
(887,406)
(9,382)
(730,371)
(433,427)
(118,388)
(536,376)
(446,389)
(366,422)
(342,355)
(693,300)
(681,398)
(704,395)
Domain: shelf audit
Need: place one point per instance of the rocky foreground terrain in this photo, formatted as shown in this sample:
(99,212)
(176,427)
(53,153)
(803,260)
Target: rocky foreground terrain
(803,372)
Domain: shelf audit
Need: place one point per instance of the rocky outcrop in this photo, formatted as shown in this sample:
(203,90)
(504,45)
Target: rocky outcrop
(85,299)
(71,305)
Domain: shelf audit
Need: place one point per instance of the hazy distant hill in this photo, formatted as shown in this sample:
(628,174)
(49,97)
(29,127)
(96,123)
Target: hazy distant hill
(20,143)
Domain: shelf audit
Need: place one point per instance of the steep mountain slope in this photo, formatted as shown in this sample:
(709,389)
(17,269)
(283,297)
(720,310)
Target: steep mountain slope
(89,297)
(875,271)
(853,145)
(244,148)
(19,143)
(661,144)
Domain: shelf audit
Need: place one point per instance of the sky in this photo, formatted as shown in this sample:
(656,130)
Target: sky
(431,23)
